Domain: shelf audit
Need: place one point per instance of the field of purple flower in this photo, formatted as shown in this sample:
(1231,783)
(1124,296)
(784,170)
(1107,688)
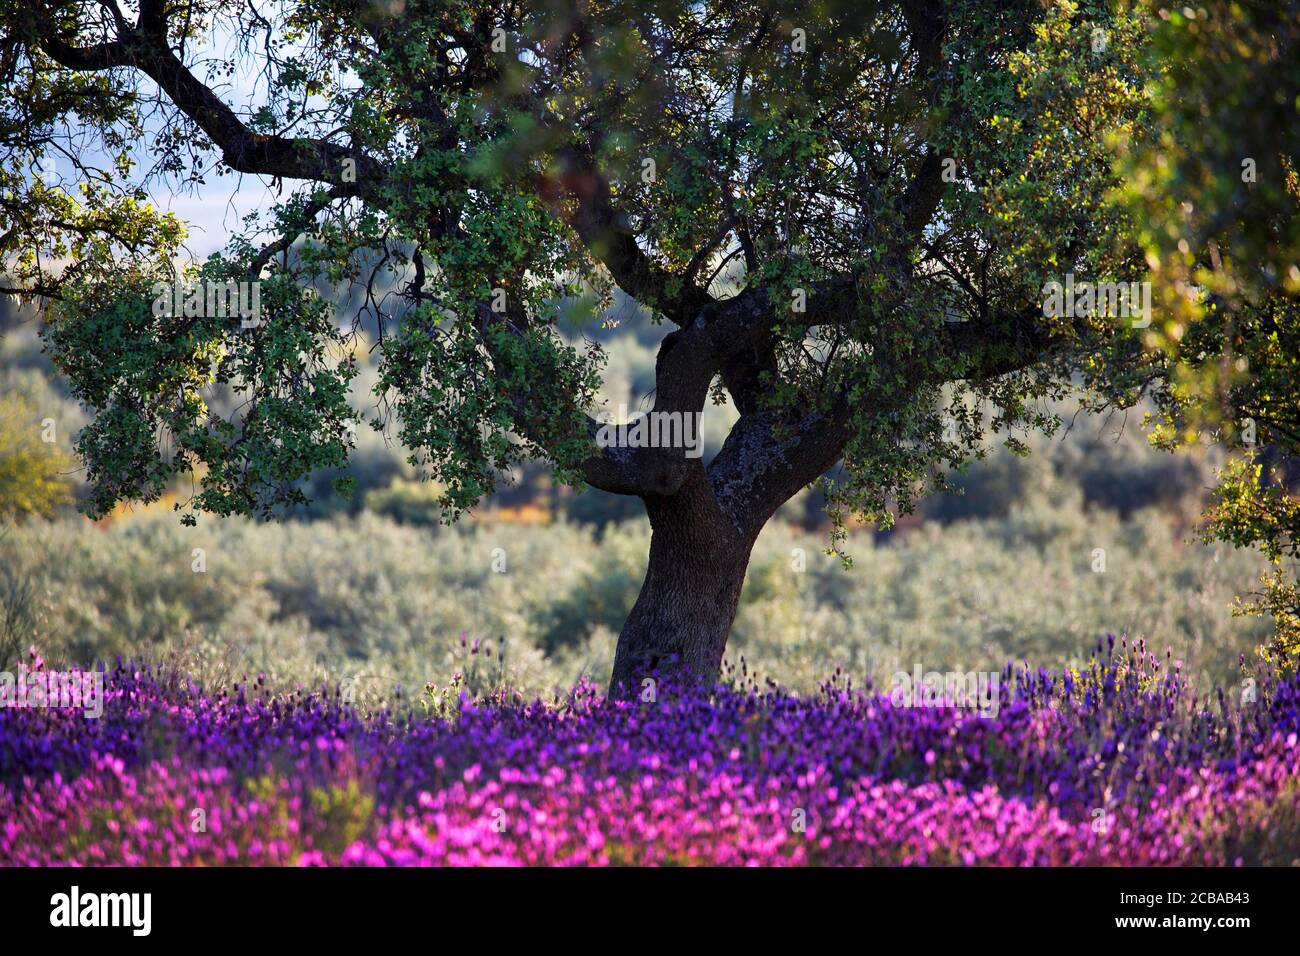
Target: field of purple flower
(1118,764)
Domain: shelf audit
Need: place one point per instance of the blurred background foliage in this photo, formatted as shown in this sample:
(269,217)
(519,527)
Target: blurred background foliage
(1214,184)
(532,589)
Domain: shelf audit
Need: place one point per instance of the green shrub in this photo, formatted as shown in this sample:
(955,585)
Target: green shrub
(31,469)
(406,502)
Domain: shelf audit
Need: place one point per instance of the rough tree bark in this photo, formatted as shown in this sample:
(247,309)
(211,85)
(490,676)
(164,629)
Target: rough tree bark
(702,536)
(683,615)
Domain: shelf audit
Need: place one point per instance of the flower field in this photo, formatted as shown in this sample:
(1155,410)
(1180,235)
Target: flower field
(1116,763)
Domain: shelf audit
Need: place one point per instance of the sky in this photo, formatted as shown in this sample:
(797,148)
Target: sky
(216,209)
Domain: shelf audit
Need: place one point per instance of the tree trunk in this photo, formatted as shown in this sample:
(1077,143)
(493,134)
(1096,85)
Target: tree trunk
(688,600)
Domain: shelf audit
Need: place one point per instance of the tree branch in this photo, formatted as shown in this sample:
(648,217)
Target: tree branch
(145,48)
(606,233)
